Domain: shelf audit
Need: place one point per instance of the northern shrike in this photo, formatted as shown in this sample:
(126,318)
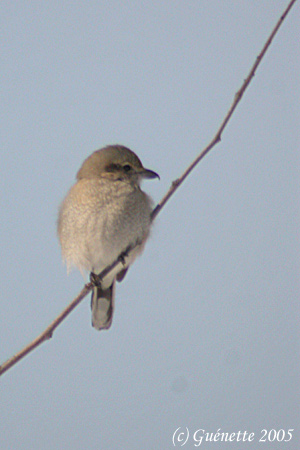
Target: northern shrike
(104,215)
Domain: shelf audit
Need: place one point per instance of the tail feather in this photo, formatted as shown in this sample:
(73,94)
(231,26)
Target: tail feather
(103,305)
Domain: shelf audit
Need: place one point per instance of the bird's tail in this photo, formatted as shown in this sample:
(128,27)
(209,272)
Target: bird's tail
(103,305)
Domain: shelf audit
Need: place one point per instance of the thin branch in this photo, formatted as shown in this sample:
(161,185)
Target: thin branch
(237,98)
(47,334)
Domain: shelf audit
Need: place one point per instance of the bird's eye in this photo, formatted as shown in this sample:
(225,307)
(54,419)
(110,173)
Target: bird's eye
(126,168)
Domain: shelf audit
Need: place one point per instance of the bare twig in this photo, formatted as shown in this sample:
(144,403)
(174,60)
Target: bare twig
(47,334)
(175,185)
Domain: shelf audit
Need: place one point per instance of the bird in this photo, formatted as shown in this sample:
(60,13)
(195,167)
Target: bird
(105,216)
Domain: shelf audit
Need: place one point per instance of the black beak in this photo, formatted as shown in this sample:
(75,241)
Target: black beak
(149,174)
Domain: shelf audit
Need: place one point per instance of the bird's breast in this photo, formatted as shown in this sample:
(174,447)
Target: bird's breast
(99,219)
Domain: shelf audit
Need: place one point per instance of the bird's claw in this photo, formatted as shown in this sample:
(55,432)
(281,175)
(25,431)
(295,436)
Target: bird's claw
(95,279)
(123,256)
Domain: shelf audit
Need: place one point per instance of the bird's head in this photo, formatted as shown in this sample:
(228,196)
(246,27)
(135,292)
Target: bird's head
(115,162)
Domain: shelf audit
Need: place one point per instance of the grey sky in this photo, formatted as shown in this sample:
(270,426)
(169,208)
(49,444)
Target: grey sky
(205,333)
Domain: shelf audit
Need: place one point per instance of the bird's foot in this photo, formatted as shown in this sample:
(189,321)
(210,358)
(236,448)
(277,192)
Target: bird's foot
(95,279)
(123,256)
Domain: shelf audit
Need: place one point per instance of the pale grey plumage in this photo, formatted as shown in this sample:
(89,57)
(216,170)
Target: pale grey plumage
(103,215)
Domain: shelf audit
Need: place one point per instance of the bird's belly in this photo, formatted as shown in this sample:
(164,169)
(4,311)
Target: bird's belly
(107,245)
